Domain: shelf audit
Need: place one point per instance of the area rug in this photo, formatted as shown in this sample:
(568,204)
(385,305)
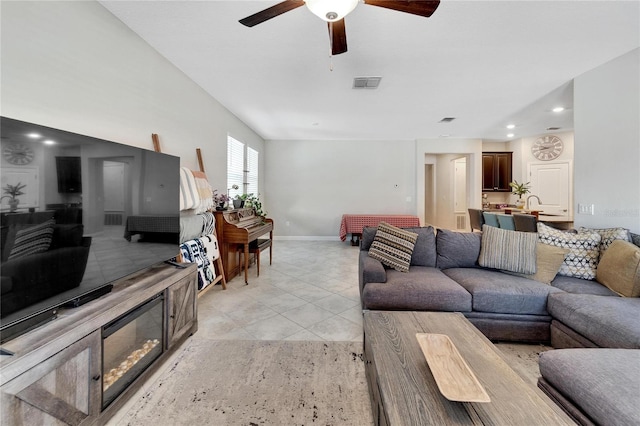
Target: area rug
(258,383)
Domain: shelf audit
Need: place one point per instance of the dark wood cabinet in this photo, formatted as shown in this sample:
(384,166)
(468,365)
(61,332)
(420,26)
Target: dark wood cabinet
(496,171)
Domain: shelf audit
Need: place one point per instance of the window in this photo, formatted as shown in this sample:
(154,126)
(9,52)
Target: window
(252,171)
(235,166)
(241,170)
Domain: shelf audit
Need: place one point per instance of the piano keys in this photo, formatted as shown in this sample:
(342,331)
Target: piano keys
(237,228)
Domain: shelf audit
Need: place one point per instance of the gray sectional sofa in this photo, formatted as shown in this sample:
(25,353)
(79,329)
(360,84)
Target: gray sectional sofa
(570,313)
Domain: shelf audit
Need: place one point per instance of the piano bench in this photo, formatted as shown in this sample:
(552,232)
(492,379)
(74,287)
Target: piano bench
(255,247)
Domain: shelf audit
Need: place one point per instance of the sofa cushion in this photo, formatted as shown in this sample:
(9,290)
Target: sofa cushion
(580,286)
(457,249)
(509,250)
(603,383)
(33,239)
(393,246)
(424,251)
(584,250)
(420,289)
(635,238)
(609,322)
(548,262)
(619,268)
(495,291)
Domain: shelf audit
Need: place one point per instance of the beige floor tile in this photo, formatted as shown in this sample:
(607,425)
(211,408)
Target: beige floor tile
(335,303)
(307,315)
(337,328)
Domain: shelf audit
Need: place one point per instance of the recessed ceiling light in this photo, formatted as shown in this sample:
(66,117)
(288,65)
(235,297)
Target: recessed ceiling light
(510,135)
(34,135)
(511,126)
(49,142)
(558,109)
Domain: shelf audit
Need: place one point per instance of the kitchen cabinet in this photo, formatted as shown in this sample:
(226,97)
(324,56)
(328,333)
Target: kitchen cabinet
(496,171)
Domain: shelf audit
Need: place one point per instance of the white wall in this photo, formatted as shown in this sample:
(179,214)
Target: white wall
(607,143)
(74,66)
(311,184)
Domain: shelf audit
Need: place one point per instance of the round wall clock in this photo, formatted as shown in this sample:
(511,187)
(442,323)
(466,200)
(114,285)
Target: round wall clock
(18,154)
(547,148)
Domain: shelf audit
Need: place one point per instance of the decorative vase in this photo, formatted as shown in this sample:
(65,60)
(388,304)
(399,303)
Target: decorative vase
(220,207)
(13,204)
(520,203)
(238,204)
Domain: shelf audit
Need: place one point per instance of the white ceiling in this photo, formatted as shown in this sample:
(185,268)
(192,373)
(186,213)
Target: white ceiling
(487,63)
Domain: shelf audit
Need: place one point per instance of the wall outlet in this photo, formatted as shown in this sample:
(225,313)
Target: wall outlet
(587,209)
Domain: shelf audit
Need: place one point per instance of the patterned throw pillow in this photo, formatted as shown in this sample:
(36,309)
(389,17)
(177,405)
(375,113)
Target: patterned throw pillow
(32,240)
(584,250)
(393,246)
(508,250)
(608,236)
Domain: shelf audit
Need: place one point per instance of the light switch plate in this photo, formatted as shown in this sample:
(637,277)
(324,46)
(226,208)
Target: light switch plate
(589,209)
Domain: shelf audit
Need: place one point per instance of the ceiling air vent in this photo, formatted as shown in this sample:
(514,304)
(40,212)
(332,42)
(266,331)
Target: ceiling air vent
(447,120)
(553,128)
(366,82)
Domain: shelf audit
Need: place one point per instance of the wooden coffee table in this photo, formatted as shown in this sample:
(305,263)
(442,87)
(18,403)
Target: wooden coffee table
(404,392)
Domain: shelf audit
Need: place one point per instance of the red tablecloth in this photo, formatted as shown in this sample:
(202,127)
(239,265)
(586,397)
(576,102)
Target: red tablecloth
(353,223)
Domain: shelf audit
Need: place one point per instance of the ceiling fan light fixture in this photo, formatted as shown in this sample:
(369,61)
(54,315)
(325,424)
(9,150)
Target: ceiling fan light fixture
(331,10)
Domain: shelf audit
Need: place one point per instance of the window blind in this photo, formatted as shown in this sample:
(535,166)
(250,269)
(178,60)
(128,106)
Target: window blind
(252,171)
(235,166)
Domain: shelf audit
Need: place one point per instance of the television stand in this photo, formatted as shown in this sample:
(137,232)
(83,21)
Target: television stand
(55,374)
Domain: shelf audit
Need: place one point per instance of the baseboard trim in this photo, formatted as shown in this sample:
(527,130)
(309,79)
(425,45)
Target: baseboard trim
(305,238)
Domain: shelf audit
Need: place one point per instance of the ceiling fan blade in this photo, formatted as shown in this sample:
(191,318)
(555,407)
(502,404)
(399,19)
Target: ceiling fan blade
(338,36)
(271,12)
(415,7)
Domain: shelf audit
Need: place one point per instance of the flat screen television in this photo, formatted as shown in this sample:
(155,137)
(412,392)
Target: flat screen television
(77,213)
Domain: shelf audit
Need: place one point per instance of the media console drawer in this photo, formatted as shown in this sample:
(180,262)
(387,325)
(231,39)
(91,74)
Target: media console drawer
(55,374)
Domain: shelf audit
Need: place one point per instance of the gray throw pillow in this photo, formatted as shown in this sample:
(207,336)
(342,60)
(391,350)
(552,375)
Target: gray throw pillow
(512,251)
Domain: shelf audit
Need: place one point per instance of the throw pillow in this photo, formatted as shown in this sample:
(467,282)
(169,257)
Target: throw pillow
(635,238)
(548,262)
(393,246)
(512,251)
(584,250)
(35,239)
(619,269)
(609,235)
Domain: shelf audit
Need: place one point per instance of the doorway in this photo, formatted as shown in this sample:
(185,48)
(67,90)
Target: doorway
(460,192)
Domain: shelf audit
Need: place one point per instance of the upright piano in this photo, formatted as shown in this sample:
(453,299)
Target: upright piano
(237,228)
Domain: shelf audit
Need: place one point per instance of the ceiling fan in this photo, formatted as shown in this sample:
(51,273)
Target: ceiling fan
(334,11)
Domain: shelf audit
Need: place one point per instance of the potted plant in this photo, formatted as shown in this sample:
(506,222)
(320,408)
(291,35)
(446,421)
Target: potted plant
(520,189)
(220,200)
(12,192)
(254,202)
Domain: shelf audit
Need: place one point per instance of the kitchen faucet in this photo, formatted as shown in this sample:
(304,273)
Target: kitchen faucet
(526,204)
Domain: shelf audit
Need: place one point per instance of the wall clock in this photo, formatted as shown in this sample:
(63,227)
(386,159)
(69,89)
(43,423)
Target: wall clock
(18,154)
(547,148)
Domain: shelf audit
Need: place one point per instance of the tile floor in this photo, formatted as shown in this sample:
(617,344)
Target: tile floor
(310,292)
